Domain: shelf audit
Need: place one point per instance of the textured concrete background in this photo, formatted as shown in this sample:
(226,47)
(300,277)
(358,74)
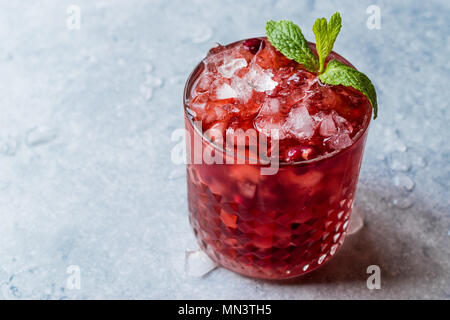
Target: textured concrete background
(85,171)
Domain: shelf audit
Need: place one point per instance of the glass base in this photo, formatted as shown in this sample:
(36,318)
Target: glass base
(199,264)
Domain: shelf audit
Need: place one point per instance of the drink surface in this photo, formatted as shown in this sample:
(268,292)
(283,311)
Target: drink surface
(251,85)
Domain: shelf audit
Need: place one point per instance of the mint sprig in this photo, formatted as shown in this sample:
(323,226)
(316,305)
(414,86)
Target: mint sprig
(287,37)
(326,34)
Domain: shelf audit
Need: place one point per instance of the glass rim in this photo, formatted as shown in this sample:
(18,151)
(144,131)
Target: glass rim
(186,92)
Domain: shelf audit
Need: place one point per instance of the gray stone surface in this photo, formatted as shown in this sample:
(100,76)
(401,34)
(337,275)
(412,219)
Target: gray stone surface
(86,177)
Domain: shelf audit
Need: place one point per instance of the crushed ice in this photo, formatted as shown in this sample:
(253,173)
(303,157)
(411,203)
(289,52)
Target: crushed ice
(327,126)
(260,79)
(243,89)
(227,70)
(225,91)
(299,123)
(198,264)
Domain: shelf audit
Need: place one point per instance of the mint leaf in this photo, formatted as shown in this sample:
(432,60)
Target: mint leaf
(287,37)
(289,40)
(326,34)
(338,73)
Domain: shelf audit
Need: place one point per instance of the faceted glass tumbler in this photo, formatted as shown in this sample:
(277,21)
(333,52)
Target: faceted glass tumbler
(270,226)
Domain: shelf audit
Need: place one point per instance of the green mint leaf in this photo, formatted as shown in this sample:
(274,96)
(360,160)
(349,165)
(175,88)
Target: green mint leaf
(287,37)
(326,34)
(337,73)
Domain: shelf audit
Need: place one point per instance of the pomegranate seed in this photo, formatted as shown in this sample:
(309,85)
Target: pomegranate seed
(308,153)
(253,45)
(299,153)
(293,154)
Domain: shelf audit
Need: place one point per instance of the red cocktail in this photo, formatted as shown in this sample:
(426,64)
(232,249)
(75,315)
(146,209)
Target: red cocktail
(279,225)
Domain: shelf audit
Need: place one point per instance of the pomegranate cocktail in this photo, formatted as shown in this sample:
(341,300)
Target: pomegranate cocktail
(297,111)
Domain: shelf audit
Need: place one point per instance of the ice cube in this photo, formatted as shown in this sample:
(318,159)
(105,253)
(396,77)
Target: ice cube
(215,58)
(198,107)
(198,264)
(269,120)
(299,123)
(204,83)
(335,129)
(339,141)
(270,126)
(228,69)
(327,126)
(270,107)
(341,123)
(260,79)
(243,89)
(225,91)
